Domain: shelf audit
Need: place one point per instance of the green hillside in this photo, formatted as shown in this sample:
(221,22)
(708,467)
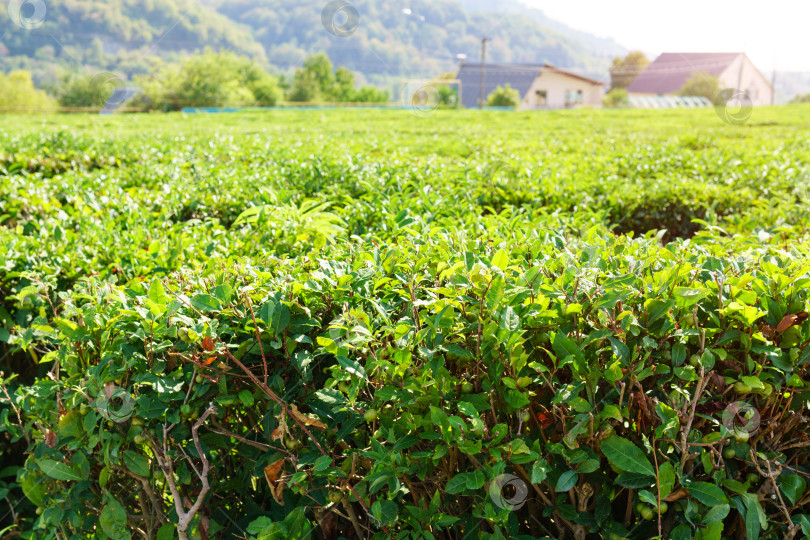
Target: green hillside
(72,30)
(390,42)
(419,41)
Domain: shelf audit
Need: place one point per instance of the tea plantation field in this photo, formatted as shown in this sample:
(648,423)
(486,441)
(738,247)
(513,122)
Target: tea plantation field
(377,324)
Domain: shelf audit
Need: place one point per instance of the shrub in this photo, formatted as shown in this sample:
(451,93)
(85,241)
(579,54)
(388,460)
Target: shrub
(434,278)
(504,96)
(400,391)
(18,94)
(208,80)
(623,71)
(316,81)
(89,91)
(616,98)
(701,84)
(448,96)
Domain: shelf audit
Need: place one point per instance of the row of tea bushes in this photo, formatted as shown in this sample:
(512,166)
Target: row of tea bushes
(442,386)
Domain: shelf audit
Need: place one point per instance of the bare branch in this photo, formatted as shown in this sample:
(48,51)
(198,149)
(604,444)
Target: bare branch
(165,463)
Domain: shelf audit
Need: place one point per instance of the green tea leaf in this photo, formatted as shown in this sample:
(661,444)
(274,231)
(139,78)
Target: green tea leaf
(716,513)
(626,456)
(58,470)
(113,519)
(495,292)
(792,487)
(566,481)
(157,294)
(205,303)
(136,463)
(501,260)
(707,493)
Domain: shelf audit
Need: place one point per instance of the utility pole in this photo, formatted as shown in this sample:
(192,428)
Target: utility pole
(483,71)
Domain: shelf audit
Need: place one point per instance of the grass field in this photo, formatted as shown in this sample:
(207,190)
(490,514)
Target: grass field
(570,302)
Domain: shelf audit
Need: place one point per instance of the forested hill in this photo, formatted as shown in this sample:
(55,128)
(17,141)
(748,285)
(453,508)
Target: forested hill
(389,41)
(69,28)
(421,39)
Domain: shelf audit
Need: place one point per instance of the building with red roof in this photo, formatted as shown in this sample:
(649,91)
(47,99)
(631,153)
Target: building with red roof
(670,71)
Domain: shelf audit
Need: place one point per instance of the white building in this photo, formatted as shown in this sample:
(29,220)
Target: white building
(540,86)
(670,71)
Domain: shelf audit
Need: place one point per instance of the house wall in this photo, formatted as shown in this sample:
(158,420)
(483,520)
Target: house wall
(556,85)
(748,79)
(758,87)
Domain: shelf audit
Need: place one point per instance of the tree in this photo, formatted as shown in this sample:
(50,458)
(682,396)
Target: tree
(625,70)
(616,98)
(448,96)
(801,99)
(209,80)
(18,94)
(265,89)
(701,85)
(320,67)
(343,88)
(305,87)
(316,81)
(370,94)
(87,90)
(504,96)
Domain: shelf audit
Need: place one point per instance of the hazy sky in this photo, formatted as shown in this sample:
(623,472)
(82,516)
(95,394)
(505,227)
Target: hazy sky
(774,33)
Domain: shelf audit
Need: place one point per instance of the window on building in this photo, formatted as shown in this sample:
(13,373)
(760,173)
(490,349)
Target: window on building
(541,97)
(573,97)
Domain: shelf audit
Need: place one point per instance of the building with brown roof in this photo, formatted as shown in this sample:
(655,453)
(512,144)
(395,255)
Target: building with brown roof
(670,71)
(541,86)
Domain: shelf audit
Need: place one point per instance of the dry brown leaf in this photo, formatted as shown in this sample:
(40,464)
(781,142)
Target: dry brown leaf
(791,320)
(272,475)
(767,330)
(787,322)
(306,419)
(717,380)
(204,526)
(327,522)
(282,429)
(271,472)
(546,419)
(208,344)
(277,492)
(676,495)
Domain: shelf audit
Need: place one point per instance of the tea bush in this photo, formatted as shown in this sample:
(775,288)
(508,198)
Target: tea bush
(405,330)
(406,389)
